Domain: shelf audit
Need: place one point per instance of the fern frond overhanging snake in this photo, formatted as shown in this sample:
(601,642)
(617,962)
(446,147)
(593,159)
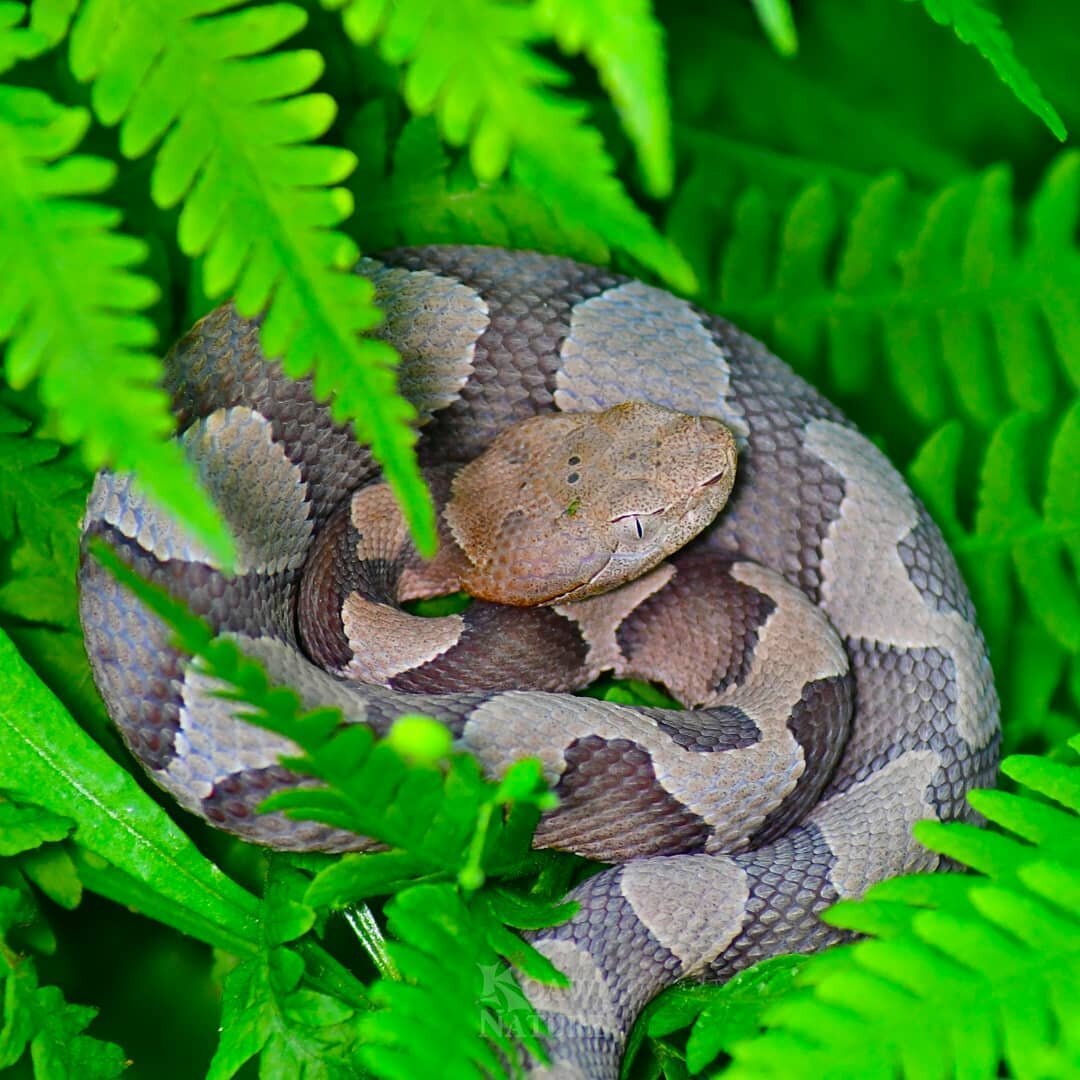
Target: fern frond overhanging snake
(818,629)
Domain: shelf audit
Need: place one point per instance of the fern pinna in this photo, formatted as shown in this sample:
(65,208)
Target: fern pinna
(907,242)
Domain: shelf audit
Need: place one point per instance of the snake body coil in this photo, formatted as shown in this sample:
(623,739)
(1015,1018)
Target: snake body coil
(823,598)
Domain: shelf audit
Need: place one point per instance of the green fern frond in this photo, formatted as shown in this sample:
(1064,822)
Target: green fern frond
(717,1017)
(41,500)
(40,1021)
(416,194)
(937,288)
(269,1007)
(470,63)
(442,823)
(1014,534)
(37,1022)
(958,974)
(234,130)
(17,42)
(625,44)
(982,29)
(71,303)
(457,1009)
(779,25)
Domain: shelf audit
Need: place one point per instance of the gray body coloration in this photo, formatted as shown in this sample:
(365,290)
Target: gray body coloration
(823,597)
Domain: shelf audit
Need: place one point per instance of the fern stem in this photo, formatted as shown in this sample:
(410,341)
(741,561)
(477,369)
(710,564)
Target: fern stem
(360,918)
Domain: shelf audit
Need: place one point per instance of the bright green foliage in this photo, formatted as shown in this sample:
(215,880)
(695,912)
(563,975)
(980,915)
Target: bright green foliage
(776,21)
(41,499)
(458,946)
(417,195)
(438,824)
(718,1017)
(1012,532)
(267,1009)
(959,972)
(624,42)
(938,285)
(471,65)
(37,1021)
(880,208)
(70,303)
(976,26)
(258,202)
(17,42)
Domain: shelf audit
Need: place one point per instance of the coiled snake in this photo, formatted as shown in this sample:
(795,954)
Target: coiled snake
(822,598)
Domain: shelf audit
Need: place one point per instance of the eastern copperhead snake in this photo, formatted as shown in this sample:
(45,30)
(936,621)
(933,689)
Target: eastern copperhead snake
(822,597)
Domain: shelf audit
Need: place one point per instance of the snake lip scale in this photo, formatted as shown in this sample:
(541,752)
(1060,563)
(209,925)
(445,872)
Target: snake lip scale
(819,629)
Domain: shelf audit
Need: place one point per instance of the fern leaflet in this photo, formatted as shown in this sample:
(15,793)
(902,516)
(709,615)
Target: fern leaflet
(779,25)
(420,196)
(624,42)
(937,288)
(270,1009)
(470,64)
(41,500)
(37,1020)
(976,26)
(960,972)
(71,303)
(447,828)
(17,42)
(235,127)
(1011,534)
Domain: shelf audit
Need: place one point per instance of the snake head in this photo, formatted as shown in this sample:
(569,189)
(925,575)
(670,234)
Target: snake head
(568,505)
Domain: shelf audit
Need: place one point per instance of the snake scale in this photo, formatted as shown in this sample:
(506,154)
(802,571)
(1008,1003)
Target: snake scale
(819,626)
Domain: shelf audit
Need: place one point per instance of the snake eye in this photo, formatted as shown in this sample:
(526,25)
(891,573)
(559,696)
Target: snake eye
(636,528)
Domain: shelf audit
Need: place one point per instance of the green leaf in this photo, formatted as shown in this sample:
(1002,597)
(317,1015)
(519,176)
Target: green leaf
(934,991)
(45,758)
(718,1016)
(39,1017)
(624,42)
(777,22)
(268,1010)
(457,1001)
(976,26)
(23,828)
(735,1011)
(71,303)
(18,42)
(259,201)
(471,65)
(357,877)
(52,870)
(417,195)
